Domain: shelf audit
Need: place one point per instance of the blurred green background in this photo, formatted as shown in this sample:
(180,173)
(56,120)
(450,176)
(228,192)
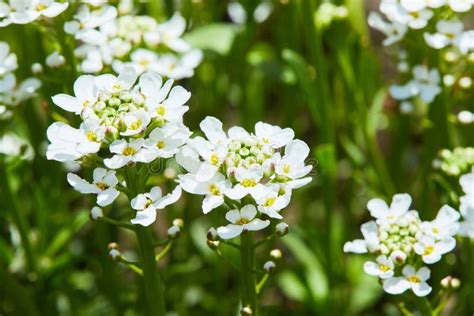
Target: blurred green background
(319,71)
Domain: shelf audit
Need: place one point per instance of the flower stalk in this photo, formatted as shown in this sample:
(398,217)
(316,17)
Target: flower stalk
(248,287)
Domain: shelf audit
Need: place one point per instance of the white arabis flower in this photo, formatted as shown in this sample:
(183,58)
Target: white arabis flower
(383,267)
(385,214)
(271,202)
(448,32)
(444,225)
(460,5)
(431,250)
(165,142)
(241,220)
(248,183)
(148,203)
(68,143)
(412,279)
(103,185)
(86,94)
(292,164)
(394,31)
(127,152)
(8,60)
(370,242)
(27,11)
(213,189)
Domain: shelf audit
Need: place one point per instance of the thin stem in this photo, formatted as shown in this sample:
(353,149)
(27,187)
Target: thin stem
(131,265)
(151,278)
(219,253)
(164,251)
(116,223)
(262,282)
(247,277)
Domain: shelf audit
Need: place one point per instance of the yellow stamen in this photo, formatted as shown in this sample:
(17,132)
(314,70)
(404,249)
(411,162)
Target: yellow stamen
(160,144)
(214,159)
(91,136)
(414,279)
(249,183)
(129,151)
(214,189)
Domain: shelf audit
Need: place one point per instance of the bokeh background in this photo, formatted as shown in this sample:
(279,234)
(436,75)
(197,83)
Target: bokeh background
(314,68)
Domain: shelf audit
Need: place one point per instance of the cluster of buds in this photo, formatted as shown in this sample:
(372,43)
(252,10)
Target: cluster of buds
(455,162)
(403,243)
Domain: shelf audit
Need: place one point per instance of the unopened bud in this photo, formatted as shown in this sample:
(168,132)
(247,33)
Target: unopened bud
(446,282)
(246,311)
(36,68)
(398,257)
(212,234)
(96,213)
(178,222)
(114,252)
(465,82)
(173,232)
(213,244)
(276,254)
(455,283)
(282,229)
(269,266)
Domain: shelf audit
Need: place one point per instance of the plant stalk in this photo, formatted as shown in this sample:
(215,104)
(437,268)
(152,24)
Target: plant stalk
(248,289)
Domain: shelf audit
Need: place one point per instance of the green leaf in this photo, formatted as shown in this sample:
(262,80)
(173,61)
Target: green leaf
(217,37)
(292,286)
(313,270)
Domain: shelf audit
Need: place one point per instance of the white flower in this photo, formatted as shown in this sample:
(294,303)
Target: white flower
(86,94)
(148,203)
(136,122)
(370,243)
(273,135)
(466,42)
(165,142)
(271,202)
(466,117)
(448,33)
(162,103)
(27,11)
(55,60)
(394,31)
(104,182)
(85,19)
(141,59)
(248,183)
(171,31)
(243,220)
(466,228)
(13,145)
(431,250)
(127,152)
(412,279)
(68,143)
(460,5)
(8,60)
(384,214)
(175,67)
(292,164)
(213,189)
(383,267)
(444,225)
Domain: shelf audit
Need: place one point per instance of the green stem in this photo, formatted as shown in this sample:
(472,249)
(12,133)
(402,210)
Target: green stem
(154,293)
(248,287)
(153,288)
(18,217)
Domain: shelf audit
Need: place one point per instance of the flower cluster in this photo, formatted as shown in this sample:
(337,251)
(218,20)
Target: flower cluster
(403,243)
(438,24)
(466,228)
(123,123)
(12,93)
(244,169)
(425,85)
(24,12)
(108,38)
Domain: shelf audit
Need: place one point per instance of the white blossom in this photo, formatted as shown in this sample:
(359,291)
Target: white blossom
(241,220)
